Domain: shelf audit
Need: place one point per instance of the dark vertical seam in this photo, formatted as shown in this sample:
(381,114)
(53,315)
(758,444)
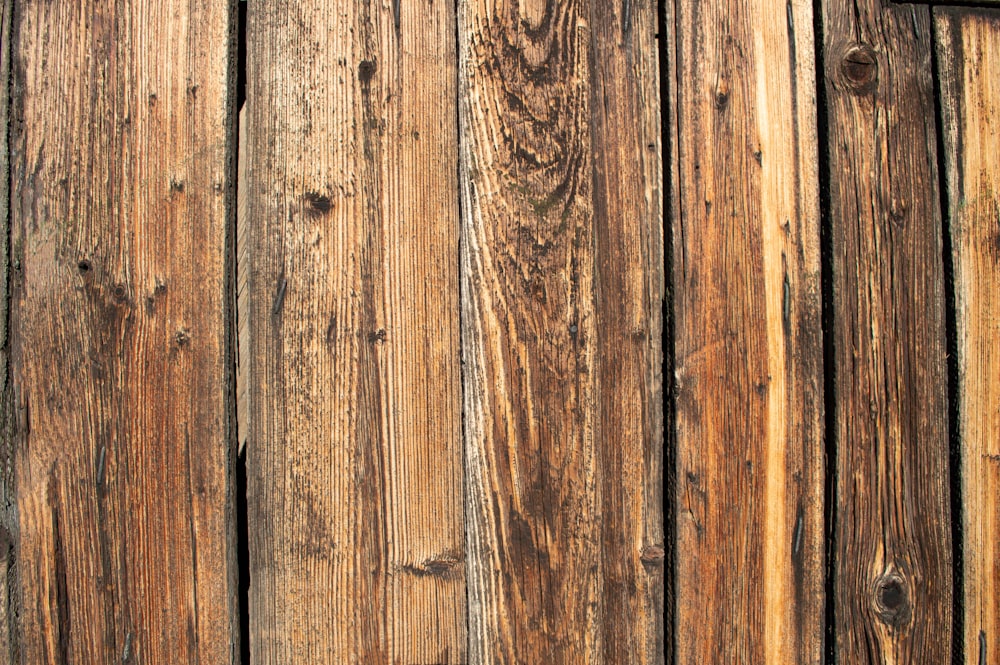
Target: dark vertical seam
(461,330)
(239,552)
(668,353)
(951,334)
(829,359)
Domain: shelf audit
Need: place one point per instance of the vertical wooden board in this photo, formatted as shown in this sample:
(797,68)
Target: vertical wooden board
(562,288)
(120,350)
(748,339)
(627,295)
(8,516)
(354,459)
(892,572)
(968,45)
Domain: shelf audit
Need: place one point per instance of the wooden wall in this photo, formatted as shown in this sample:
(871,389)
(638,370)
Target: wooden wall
(528,331)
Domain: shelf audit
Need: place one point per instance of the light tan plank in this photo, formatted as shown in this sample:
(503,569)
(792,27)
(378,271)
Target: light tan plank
(748,338)
(354,457)
(968,45)
(119,332)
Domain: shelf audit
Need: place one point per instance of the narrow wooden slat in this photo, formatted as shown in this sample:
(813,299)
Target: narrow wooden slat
(120,348)
(748,340)
(969,59)
(892,572)
(8,500)
(354,459)
(562,287)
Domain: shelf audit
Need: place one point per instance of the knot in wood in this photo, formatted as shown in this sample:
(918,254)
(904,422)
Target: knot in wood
(120,293)
(652,556)
(316,204)
(860,67)
(721,95)
(892,600)
(366,70)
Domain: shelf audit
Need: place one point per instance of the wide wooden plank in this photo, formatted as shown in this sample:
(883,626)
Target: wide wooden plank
(748,337)
(892,575)
(562,287)
(354,459)
(969,59)
(121,138)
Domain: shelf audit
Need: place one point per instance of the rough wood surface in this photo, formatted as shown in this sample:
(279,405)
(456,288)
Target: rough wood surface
(893,579)
(8,501)
(562,289)
(242,303)
(354,459)
(969,60)
(120,348)
(748,339)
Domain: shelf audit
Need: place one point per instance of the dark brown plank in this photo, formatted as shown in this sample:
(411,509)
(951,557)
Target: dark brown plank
(8,500)
(354,458)
(562,289)
(893,539)
(119,341)
(748,340)
(968,45)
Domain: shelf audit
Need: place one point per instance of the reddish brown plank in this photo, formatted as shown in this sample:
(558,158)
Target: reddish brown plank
(562,290)
(120,348)
(968,45)
(748,338)
(354,458)
(893,579)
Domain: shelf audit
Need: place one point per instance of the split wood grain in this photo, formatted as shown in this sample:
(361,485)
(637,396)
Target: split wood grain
(121,137)
(242,304)
(968,44)
(354,458)
(748,334)
(892,576)
(562,284)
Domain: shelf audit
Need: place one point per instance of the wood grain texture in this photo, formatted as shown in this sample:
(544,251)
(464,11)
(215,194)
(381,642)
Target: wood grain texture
(354,458)
(968,45)
(893,579)
(121,140)
(748,337)
(562,289)
(8,501)
(242,304)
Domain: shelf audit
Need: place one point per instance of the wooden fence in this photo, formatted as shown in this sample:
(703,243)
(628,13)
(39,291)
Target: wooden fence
(500,331)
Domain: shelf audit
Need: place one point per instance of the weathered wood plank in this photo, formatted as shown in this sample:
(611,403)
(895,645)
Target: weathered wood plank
(893,540)
(354,457)
(8,500)
(562,289)
(969,59)
(748,338)
(120,347)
